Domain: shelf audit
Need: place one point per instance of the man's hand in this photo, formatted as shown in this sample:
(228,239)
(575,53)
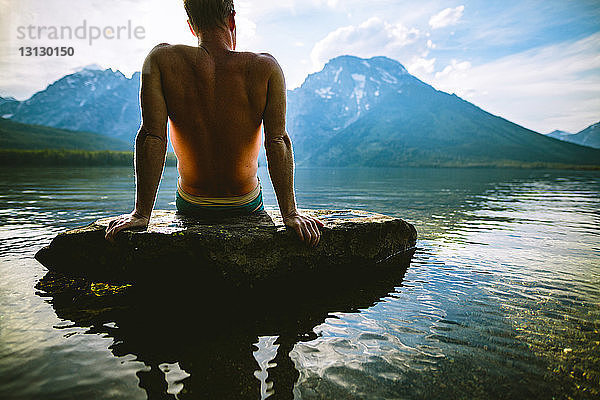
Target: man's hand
(306,227)
(126,221)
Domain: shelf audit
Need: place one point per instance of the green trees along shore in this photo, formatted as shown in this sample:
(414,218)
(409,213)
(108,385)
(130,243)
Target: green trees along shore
(61,157)
(25,144)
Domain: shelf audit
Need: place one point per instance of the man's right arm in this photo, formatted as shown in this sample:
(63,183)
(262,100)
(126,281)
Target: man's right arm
(280,158)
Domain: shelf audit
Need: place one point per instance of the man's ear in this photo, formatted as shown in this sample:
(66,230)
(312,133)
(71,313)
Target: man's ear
(191,28)
(232,30)
(232,21)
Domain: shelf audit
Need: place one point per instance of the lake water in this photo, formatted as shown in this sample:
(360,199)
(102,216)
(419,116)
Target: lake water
(501,299)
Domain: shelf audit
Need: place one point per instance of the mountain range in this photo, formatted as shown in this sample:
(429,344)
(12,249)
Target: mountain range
(90,100)
(590,136)
(354,112)
(374,113)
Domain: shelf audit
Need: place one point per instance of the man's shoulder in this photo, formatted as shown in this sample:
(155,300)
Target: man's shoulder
(161,47)
(264,61)
(157,51)
(268,59)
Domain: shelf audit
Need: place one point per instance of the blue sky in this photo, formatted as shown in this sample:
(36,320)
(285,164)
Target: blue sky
(536,63)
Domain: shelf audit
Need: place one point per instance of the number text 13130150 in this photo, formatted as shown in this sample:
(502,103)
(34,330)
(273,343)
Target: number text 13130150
(47,51)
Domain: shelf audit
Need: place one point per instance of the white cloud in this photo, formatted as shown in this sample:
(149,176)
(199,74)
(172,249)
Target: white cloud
(455,68)
(447,17)
(418,65)
(245,29)
(547,88)
(373,37)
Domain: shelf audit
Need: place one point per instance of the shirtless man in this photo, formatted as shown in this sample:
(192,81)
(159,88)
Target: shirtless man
(215,100)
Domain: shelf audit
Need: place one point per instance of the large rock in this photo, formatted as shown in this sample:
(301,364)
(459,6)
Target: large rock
(241,250)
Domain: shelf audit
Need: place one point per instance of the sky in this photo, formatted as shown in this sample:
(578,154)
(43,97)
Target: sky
(533,62)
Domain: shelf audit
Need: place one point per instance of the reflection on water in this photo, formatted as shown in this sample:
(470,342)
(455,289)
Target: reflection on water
(209,340)
(501,299)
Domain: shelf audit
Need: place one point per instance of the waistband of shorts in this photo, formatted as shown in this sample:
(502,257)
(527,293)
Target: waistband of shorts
(232,201)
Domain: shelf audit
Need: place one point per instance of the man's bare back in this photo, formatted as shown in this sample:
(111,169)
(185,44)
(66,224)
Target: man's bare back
(215,100)
(215,104)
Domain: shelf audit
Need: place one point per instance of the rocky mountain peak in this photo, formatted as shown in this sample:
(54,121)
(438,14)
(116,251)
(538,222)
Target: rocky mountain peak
(344,72)
(347,88)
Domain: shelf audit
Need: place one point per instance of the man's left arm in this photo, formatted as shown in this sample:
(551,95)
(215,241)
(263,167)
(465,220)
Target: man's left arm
(150,149)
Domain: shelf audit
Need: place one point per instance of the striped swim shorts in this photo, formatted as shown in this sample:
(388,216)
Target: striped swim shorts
(249,203)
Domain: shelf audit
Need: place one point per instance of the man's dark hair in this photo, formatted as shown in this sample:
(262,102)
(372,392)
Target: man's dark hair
(207,14)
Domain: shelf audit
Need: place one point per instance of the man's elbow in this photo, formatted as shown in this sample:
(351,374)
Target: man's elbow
(146,141)
(278,140)
(147,134)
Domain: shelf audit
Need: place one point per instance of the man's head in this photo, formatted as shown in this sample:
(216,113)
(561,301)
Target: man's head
(209,14)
